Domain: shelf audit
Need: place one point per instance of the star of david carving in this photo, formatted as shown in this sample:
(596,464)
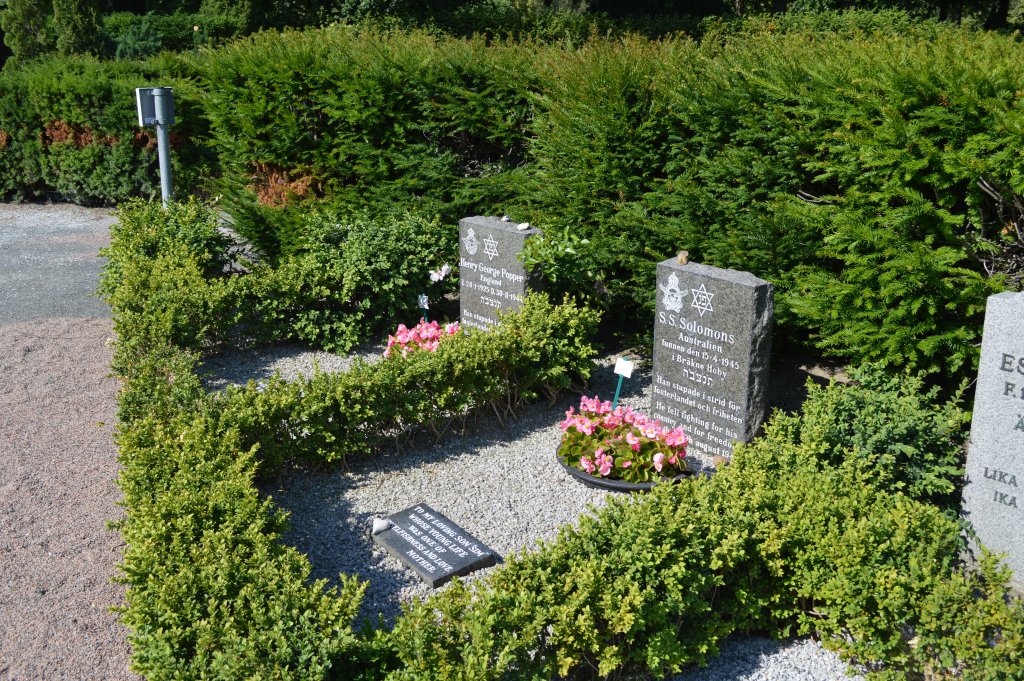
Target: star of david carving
(702,300)
(490,247)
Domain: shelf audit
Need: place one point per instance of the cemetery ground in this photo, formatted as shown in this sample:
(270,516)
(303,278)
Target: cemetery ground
(58,459)
(59,464)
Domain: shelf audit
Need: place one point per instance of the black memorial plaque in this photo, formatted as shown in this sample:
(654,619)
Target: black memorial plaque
(491,275)
(712,340)
(433,546)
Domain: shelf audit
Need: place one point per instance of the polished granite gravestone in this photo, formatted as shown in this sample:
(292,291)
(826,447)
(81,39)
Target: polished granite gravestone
(433,546)
(712,339)
(491,275)
(992,498)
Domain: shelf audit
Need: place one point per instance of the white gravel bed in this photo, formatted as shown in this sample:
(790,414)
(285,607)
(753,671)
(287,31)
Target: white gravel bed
(502,484)
(235,366)
(763,659)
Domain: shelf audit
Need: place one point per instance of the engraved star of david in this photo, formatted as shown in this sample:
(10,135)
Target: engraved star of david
(702,300)
(490,247)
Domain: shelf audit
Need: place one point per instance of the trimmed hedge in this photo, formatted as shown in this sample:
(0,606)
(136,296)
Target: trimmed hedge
(839,160)
(778,541)
(802,533)
(211,591)
(68,128)
(865,163)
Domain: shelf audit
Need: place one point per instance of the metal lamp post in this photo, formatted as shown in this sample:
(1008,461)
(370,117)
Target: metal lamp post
(156,107)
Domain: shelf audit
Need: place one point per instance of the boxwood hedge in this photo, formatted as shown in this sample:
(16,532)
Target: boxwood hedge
(800,534)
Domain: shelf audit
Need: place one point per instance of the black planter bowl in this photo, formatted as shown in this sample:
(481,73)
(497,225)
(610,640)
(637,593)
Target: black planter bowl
(607,485)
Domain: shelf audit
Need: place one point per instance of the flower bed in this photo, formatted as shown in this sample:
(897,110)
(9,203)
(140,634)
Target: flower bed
(620,444)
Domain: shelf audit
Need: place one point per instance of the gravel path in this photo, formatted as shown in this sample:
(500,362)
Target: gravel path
(59,461)
(501,484)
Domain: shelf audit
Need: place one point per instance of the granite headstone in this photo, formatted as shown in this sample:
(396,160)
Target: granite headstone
(992,499)
(712,339)
(492,278)
(433,546)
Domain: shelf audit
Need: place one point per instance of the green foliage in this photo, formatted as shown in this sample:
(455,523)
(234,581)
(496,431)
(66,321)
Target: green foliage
(76,25)
(27,30)
(835,154)
(779,541)
(359,119)
(138,41)
(812,528)
(176,31)
(211,592)
(145,229)
(349,280)
(69,126)
(909,444)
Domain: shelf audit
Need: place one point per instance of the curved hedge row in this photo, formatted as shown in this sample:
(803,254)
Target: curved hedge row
(802,533)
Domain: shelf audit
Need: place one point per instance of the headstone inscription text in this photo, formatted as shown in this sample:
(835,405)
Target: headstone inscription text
(712,339)
(491,275)
(433,546)
(993,498)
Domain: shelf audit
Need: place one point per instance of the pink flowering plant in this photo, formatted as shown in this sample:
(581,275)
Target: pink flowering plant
(621,444)
(423,336)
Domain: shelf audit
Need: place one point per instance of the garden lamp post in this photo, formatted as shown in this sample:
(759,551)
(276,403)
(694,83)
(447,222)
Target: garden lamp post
(156,107)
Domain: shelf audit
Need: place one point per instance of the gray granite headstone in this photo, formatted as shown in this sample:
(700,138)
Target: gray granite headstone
(712,339)
(491,275)
(993,501)
(433,546)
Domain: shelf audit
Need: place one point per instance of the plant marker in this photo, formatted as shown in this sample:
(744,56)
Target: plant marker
(425,304)
(624,368)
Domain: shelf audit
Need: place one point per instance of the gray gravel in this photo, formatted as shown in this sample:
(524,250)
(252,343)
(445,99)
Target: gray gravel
(238,367)
(501,484)
(57,456)
(48,263)
(763,659)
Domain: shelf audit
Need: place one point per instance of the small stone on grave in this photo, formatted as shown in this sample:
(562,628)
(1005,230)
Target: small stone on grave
(712,340)
(492,278)
(993,501)
(432,546)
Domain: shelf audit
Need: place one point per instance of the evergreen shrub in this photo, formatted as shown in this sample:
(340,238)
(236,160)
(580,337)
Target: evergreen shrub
(349,282)
(68,129)
(177,31)
(839,158)
(796,536)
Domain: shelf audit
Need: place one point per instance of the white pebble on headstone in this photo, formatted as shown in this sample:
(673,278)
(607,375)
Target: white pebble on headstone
(380,525)
(491,276)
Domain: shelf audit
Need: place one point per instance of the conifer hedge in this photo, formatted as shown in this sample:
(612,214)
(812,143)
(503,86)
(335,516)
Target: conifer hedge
(863,162)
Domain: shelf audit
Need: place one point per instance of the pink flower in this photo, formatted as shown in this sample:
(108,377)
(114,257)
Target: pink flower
(676,438)
(603,461)
(650,431)
(627,464)
(673,460)
(633,441)
(612,421)
(659,461)
(587,464)
(585,426)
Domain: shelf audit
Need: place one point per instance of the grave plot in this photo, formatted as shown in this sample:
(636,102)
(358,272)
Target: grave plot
(501,485)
